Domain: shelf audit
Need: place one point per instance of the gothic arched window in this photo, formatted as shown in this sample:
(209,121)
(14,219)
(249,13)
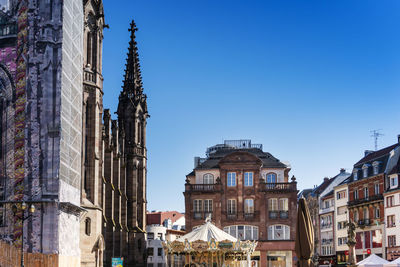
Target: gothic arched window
(91,42)
(87,226)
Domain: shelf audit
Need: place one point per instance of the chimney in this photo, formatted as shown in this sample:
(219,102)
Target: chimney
(326,179)
(196,162)
(367,152)
(342,170)
(398,138)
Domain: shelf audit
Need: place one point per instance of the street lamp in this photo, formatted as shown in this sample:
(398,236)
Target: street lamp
(23,208)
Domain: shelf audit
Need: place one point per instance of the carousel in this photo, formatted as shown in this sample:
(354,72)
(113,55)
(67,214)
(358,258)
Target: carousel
(207,245)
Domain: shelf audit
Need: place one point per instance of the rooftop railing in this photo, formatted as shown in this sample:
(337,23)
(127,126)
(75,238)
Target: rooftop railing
(279,187)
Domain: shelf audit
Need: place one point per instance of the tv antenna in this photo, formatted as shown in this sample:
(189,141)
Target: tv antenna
(376,134)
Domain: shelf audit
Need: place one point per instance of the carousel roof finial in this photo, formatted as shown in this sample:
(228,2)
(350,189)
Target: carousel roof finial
(208,218)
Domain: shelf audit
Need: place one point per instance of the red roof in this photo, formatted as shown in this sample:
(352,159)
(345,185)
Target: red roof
(160,216)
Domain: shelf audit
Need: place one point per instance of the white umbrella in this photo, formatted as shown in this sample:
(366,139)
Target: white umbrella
(372,261)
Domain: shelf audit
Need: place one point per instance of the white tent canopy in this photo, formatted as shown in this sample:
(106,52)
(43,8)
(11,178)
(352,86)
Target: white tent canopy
(394,263)
(206,232)
(372,261)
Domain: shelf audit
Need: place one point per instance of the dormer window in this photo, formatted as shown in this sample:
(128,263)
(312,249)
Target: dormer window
(394,181)
(365,170)
(375,166)
(355,174)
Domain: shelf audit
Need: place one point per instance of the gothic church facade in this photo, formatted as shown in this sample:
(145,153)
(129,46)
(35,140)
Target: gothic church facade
(59,149)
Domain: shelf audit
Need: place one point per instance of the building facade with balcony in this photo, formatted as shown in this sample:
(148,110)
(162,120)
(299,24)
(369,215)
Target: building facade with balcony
(341,194)
(366,203)
(248,193)
(392,207)
(326,216)
(326,203)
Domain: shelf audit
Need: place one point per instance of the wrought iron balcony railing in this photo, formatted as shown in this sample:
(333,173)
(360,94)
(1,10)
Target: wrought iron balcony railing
(365,200)
(201,215)
(364,222)
(275,214)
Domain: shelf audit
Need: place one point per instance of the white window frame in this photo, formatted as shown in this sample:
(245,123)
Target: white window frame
(197,205)
(355,194)
(365,169)
(283,204)
(366,214)
(394,182)
(234,231)
(273,204)
(355,215)
(208,205)
(208,178)
(355,174)
(248,179)
(272,229)
(231,206)
(270,175)
(366,192)
(249,206)
(377,212)
(376,188)
(231,179)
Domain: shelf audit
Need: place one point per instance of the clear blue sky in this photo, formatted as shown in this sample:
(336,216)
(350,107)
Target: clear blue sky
(307,79)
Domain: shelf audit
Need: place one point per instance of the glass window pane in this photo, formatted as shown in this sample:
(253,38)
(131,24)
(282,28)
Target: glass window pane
(241,232)
(233,231)
(247,229)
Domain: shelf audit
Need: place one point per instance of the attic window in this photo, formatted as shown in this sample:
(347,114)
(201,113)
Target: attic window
(365,168)
(355,174)
(376,167)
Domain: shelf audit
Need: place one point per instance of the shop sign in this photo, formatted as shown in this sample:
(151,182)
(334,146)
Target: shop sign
(117,262)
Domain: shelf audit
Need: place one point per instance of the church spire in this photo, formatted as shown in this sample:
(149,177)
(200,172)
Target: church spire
(132,78)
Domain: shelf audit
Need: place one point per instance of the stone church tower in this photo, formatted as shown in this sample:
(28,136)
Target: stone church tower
(92,200)
(132,119)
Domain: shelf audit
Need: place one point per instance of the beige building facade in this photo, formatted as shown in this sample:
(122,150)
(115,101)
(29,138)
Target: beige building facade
(341,194)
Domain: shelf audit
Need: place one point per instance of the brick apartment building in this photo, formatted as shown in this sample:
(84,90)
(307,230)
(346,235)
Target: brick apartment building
(366,207)
(248,193)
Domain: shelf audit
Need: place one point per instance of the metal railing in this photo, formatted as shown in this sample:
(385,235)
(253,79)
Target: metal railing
(200,215)
(275,214)
(326,225)
(364,222)
(364,200)
(231,216)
